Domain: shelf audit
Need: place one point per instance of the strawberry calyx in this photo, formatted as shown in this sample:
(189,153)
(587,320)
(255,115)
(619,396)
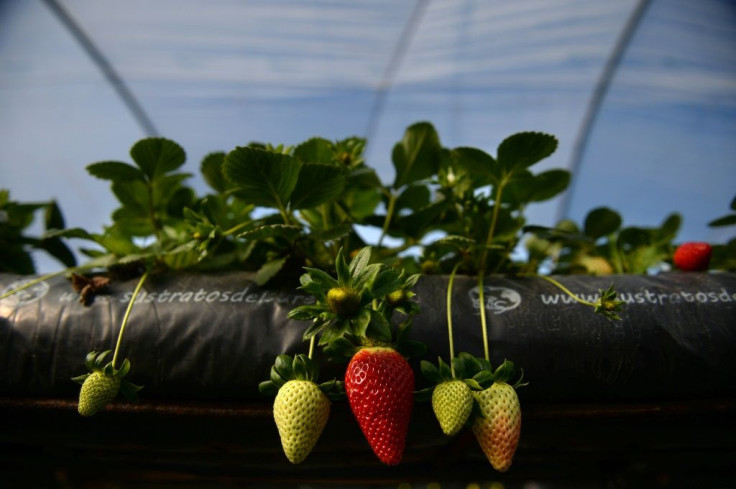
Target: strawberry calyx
(299,367)
(95,362)
(355,308)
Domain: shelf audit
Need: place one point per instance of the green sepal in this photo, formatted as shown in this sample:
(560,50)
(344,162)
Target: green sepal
(268,388)
(484,378)
(430,372)
(473,384)
(444,369)
(378,328)
(504,372)
(129,390)
(124,369)
(81,378)
(424,395)
(283,367)
(340,350)
(359,324)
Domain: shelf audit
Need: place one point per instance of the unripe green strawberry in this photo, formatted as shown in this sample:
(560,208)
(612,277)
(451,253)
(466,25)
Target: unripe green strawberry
(102,384)
(498,430)
(97,391)
(452,402)
(301,411)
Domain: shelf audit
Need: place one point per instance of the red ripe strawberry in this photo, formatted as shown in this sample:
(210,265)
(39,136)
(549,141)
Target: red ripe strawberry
(379,384)
(692,256)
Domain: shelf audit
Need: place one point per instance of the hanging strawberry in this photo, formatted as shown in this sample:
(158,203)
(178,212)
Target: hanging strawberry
(353,317)
(301,407)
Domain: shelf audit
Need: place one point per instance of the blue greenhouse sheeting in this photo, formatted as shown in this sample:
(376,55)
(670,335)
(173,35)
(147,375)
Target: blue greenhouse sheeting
(641,94)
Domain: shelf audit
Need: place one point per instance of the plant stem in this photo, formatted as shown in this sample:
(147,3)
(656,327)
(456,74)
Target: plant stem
(565,290)
(235,228)
(38,280)
(483,324)
(389,215)
(127,315)
(492,229)
(449,318)
(311,347)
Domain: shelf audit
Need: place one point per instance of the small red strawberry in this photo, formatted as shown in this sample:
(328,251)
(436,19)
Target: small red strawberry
(692,256)
(499,426)
(379,384)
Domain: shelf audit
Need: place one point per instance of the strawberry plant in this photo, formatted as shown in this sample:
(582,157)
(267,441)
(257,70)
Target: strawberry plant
(353,318)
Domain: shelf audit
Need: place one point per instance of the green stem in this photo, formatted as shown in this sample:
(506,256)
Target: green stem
(236,228)
(492,229)
(127,315)
(483,324)
(40,279)
(311,347)
(565,290)
(389,216)
(449,318)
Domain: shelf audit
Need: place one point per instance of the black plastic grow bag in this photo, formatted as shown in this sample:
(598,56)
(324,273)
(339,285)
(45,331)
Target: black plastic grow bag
(214,337)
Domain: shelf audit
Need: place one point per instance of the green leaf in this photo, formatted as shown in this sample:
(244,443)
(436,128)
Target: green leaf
(132,194)
(115,170)
(522,150)
(53,218)
(387,281)
(269,269)
(724,221)
(157,156)
(477,163)
(414,197)
(166,186)
(211,169)
(56,248)
(417,155)
(670,227)
(69,233)
(314,150)
(316,328)
(536,188)
(316,185)
(288,232)
(600,222)
(332,234)
(264,178)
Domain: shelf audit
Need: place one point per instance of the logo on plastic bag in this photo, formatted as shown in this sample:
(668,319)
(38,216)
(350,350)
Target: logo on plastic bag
(26,296)
(498,299)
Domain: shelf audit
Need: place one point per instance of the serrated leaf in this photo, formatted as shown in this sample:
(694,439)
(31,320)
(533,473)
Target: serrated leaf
(264,178)
(387,281)
(211,169)
(417,155)
(286,231)
(365,280)
(522,150)
(269,270)
(314,150)
(332,234)
(316,185)
(477,163)
(600,222)
(115,170)
(157,156)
